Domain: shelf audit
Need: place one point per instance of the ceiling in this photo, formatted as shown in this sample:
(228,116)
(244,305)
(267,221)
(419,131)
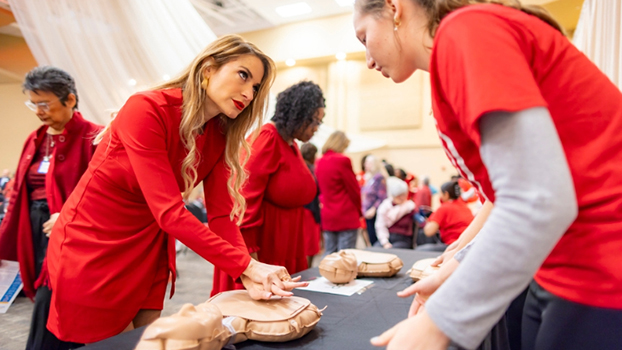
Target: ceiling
(228,16)
(239,16)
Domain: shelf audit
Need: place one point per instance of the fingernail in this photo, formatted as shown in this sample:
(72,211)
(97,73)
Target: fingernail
(267,295)
(373,340)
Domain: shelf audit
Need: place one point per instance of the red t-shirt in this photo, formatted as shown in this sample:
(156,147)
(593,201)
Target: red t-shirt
(490,58)
(452,218)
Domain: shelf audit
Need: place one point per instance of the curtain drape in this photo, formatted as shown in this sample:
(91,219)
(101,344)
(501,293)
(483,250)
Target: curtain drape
(112,48)
(599,35)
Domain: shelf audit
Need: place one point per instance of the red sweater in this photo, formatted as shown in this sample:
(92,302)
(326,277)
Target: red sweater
(340,193)
(69,160)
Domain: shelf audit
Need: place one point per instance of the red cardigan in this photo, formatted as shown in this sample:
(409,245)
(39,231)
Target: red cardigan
(118,226)
(340,193)
(69,160)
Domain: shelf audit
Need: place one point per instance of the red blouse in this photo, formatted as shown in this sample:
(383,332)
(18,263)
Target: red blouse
(70,158)
(279,186)
(121,221)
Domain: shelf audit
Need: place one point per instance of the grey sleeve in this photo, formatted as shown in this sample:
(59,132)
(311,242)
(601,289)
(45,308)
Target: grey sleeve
(535,203)
(461,254)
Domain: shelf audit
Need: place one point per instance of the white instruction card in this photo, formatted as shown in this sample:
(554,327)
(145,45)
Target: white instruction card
(322,285)
(10,284)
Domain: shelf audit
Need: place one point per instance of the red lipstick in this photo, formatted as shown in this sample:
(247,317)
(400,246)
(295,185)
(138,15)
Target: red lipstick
(239,105)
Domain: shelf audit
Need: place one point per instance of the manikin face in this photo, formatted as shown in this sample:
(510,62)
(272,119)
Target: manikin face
(233,86)
(397,54)
(50,110)
(307,133)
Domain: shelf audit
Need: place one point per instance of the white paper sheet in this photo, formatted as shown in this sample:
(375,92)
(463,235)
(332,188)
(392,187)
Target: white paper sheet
(322,285)
(10,284)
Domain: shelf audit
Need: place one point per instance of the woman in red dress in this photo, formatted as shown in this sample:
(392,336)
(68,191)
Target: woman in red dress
(54,158)
(535,126)
(341,195)
(279,183)
(112,248)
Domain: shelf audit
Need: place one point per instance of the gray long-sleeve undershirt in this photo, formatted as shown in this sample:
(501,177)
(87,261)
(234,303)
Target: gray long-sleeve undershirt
(535,203)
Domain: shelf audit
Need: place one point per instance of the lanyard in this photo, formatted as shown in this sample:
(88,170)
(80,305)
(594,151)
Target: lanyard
(49,143)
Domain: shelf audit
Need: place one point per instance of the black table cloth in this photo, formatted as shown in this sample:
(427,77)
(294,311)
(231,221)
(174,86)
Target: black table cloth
(347,322)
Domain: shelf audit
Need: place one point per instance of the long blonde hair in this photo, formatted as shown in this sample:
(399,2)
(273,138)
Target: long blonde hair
(216,54)
(436,10)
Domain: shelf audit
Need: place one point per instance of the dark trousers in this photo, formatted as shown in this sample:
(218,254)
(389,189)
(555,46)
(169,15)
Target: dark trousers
(401,241)
(371,230)
(39,214)
(39,337)
(514,318)
(550,322)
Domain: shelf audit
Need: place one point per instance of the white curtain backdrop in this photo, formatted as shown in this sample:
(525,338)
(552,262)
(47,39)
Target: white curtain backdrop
(112,48)
(599,36)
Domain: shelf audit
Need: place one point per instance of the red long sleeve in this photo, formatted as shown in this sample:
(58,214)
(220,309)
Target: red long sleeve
(144,138)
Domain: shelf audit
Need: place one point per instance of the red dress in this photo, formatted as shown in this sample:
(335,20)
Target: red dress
(279,186)
(70,158)
(112,247)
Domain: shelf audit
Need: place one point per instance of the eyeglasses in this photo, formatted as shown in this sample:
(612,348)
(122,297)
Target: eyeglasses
(44,106)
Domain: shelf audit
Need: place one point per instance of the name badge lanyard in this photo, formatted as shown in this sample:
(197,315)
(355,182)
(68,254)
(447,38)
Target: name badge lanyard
(45,163)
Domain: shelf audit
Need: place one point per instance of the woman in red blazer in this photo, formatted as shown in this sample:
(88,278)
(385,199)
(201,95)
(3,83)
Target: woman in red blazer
(53,159)
(341,195)
(279,183)
(113,248)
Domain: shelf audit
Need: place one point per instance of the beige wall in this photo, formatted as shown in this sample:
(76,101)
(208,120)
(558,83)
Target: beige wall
(16,122)
(359,100)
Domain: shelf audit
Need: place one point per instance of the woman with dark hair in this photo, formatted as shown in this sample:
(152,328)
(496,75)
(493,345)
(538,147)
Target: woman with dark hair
(453,216)
(535,126)
(279,183)
(54,158)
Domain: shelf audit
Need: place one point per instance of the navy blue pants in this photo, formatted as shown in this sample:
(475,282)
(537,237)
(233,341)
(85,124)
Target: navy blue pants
(551,323)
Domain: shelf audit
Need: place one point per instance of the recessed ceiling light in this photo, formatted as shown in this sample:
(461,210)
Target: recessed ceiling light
(290,62)
(131,82)
(166,77)
(341,56)
(299,8)
(344,3)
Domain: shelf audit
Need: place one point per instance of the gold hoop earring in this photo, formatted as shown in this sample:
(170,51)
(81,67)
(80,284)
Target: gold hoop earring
(205,83)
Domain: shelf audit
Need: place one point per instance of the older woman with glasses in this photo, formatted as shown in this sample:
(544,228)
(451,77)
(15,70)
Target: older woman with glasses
(53,159)
(279,183)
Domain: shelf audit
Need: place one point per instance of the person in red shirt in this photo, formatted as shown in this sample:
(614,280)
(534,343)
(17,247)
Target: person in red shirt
(279,183)
(52,161)
(423,196)
(534,125)
(451,218)
(340,195)
(112,249)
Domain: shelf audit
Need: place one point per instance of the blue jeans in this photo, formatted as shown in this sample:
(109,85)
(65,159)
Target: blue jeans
(334,241)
